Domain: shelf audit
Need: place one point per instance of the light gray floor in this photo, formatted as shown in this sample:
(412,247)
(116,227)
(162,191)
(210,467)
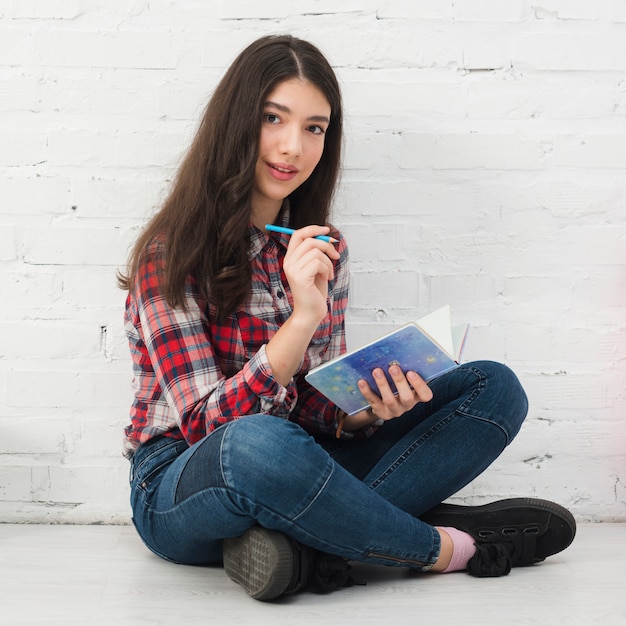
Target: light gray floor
(103,575)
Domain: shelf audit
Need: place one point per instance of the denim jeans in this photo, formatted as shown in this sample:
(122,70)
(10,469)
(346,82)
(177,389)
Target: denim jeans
(359,499)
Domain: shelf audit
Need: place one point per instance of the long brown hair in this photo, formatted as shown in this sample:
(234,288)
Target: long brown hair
(204,221)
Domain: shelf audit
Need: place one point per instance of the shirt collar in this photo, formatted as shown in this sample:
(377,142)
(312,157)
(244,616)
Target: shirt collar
(260,238)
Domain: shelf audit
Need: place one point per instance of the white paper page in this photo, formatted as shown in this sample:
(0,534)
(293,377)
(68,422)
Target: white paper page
(438,325)
(459,333)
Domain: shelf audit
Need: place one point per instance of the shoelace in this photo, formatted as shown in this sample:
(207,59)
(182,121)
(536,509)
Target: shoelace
(330,573)
(491,559)
(495,555)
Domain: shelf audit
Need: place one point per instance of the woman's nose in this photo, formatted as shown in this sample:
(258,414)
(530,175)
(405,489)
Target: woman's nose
(290,142)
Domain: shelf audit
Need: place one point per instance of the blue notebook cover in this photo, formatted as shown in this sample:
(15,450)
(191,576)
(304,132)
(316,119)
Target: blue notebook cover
(408,347)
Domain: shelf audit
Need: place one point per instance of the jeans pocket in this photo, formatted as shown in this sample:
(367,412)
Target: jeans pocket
(150,462)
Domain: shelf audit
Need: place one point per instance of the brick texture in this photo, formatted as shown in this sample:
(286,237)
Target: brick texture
(484,167)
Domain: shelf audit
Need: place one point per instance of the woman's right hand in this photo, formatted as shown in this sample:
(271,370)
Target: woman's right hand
(308,267)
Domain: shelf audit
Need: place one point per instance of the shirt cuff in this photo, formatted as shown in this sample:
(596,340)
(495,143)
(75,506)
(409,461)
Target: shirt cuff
(274,398)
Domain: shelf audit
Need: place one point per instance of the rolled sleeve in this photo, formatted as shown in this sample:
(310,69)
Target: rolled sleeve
(274,398)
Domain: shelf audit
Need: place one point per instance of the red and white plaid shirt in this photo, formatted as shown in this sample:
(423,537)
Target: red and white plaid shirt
(191,374)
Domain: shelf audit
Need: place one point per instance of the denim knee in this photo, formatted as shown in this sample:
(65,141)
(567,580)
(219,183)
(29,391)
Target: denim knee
(249,445)
(265,445)
(506,399)
(268,460)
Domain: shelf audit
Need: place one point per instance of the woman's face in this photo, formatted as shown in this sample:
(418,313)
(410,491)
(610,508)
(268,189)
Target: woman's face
(296,115)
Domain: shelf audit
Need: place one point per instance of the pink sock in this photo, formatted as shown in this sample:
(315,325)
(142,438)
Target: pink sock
(464,549)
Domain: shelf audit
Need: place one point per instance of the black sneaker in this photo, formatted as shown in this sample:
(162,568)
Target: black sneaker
(508,533)
(268,564)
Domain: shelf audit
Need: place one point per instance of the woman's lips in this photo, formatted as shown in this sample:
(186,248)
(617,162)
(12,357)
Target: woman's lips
(282,171)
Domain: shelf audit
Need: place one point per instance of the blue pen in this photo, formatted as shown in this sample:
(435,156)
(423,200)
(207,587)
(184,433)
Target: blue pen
(291,231)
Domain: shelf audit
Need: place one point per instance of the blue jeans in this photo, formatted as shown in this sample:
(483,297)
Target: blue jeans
(359,499)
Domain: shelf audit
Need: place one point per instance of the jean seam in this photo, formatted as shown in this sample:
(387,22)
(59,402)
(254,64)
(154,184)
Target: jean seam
(461,410)
(318,494)
(221,457)
(408,451)
(480,387)
(490,422)
(232,489)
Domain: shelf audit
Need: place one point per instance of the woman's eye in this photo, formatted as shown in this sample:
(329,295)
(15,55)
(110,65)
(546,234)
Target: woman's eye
(317,130)
(271,118)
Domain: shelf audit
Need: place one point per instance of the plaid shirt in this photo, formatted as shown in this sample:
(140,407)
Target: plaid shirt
(191,374)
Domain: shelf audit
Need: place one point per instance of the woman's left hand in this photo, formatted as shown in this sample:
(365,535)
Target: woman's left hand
(386,405)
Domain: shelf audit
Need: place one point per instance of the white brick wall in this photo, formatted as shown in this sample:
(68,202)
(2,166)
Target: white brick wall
(485,158)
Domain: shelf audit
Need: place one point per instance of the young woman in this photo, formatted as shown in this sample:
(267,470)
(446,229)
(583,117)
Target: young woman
(234,457)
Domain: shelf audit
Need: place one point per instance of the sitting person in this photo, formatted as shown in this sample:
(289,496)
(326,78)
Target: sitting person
(235,458)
